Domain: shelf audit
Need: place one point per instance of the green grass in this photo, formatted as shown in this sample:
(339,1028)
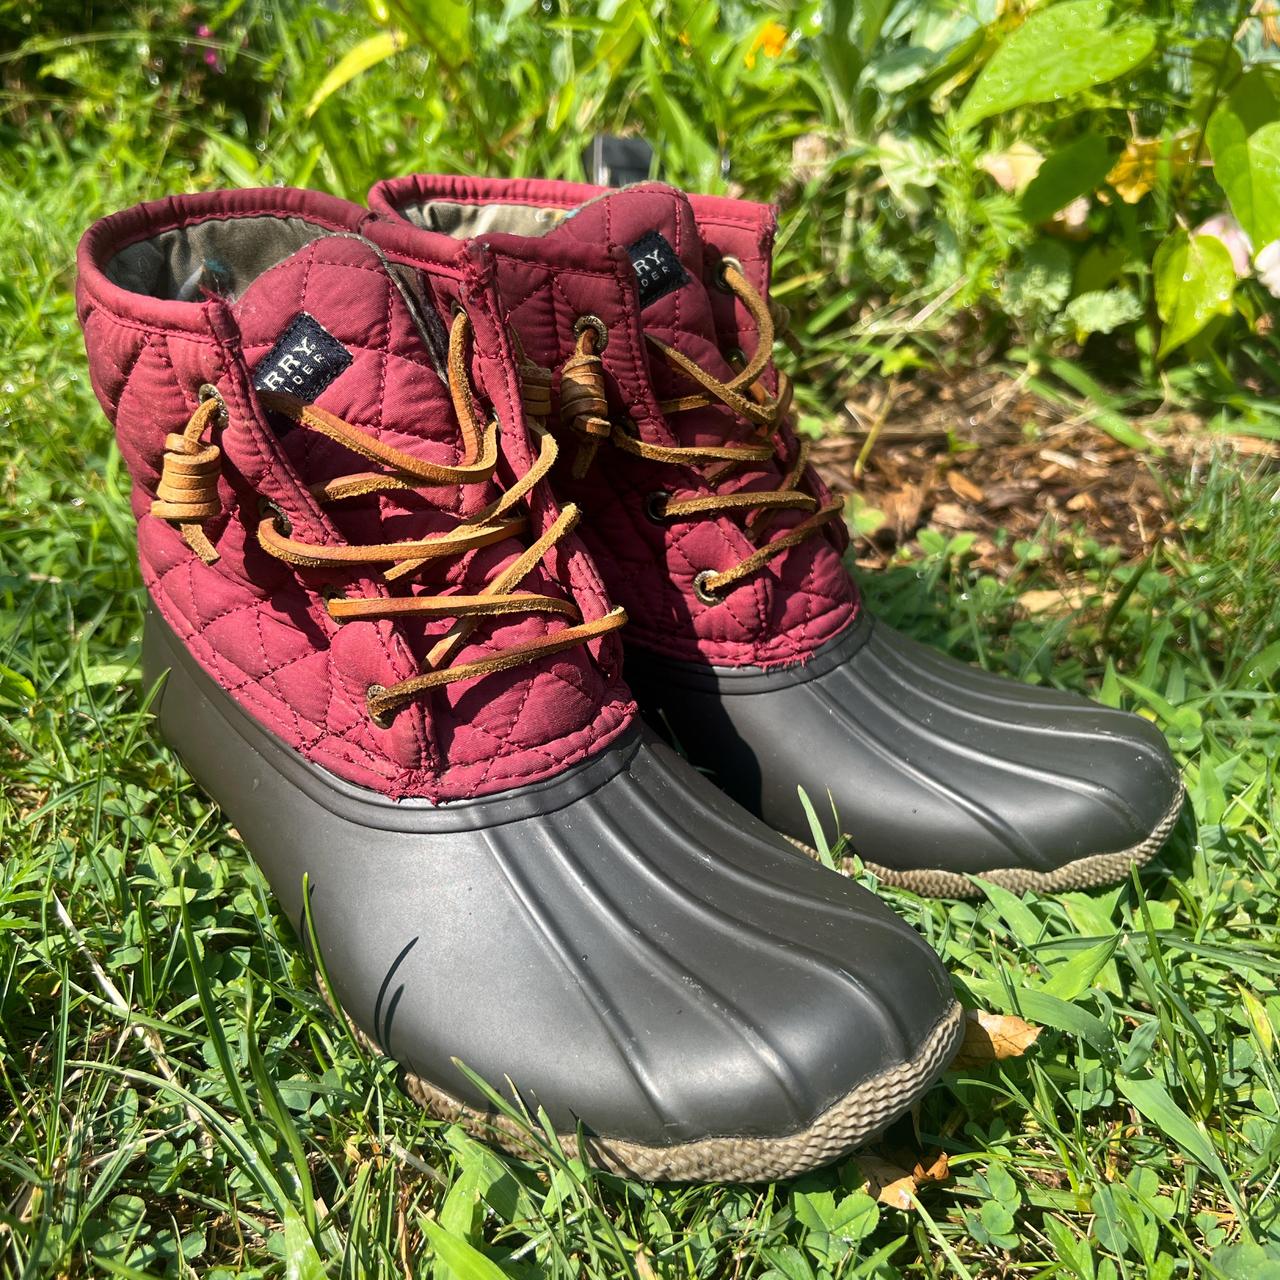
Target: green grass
(177,1099)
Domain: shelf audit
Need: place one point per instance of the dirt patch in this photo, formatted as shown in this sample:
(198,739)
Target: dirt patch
(983,454)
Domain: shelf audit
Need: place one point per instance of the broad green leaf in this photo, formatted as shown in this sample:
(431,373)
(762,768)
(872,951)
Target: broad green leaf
(464,1260)
(15,688)
(1214,63)
(499,1188)
(1055,53)
(1195,279)
(461,1205)
(864,29)
(301,1261)
(1255,97)
(1263,666)
(1074,171)
(368,53)
(1248,1261)
(1247,167)
(1076,974)
(836,42)
(1256,1013)
(1014,912)
(1156,1105)
(451,24)
(1048,1010)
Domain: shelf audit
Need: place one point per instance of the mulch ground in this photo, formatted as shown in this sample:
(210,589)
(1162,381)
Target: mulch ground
(983,454)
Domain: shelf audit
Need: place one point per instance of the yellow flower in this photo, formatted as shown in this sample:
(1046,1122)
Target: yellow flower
(770,40)
(1143,159)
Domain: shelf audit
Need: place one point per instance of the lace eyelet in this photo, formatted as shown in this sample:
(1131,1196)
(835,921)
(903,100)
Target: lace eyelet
(655,506)
(273,511)
(208,391)
(590,321)
(381,718)
(736,357)
(329,594)
(701,590)
(727,261)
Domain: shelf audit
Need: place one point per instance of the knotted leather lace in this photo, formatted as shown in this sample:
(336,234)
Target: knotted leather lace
(583,407)
(187,494)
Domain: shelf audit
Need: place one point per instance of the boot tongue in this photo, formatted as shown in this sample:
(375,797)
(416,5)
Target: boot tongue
(654,224)
(338,326)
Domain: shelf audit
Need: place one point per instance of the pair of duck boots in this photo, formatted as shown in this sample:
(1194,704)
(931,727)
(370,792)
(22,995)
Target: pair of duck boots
(456,515)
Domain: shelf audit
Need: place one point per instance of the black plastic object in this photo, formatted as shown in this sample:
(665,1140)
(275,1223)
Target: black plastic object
(613,161)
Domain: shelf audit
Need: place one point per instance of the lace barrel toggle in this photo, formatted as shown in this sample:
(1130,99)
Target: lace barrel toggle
(535,383)
(584,402)
(187,492)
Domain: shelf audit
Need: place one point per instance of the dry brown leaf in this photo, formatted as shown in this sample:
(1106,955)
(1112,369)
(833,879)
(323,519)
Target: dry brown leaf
(951,515)
(1253,445)
(963,487)
(1063,600)
(902,508)
(1044,602)
(992,1037)
(1071,222)
(887,1182)
(809,155)
(937,1170)
(644,1266)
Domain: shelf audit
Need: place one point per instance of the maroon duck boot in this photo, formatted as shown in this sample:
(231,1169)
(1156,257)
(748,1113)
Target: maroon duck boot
(393,665)
(748,645)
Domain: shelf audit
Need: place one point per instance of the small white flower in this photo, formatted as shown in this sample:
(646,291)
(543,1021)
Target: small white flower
(1267,265)
(1223,227)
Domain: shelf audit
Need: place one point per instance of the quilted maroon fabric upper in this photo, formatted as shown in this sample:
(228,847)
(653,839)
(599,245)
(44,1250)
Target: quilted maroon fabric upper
(259,626)
(801,598)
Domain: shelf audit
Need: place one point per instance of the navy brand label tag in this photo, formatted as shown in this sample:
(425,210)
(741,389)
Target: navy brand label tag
(305,360)
(658,270)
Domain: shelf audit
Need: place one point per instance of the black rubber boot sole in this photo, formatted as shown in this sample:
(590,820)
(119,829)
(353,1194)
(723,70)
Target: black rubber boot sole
(849,1123)
(1091,872)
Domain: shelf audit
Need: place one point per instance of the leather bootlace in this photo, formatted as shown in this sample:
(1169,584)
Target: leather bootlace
(187,494)
(583,408)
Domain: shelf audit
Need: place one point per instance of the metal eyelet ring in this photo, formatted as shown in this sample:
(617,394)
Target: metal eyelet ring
(381,718)
(655,506)
(701,590)
(736,357)
(727,261)
(590,321)
(329,593)
(275,512)
(209,392)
